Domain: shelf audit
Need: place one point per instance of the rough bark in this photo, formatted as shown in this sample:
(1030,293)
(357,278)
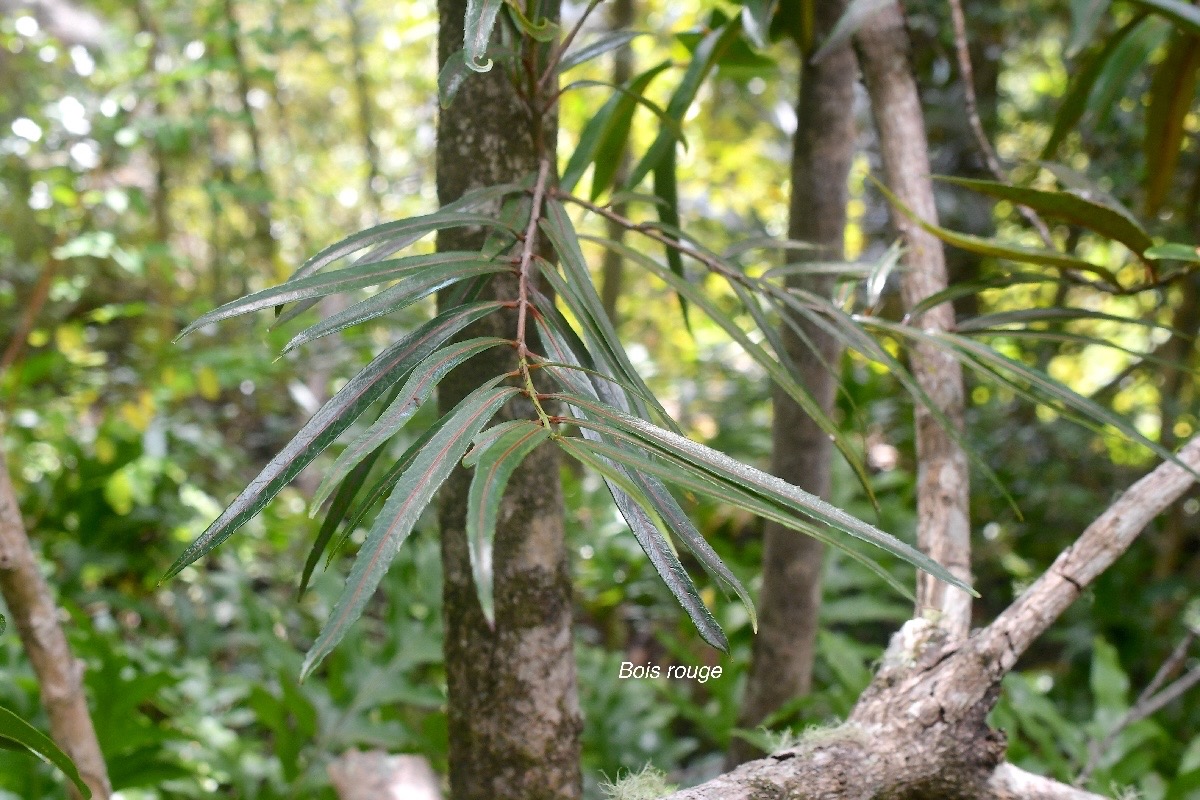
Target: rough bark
(943,487)
(823,149)
(920,730)
(514,718)
(59,674)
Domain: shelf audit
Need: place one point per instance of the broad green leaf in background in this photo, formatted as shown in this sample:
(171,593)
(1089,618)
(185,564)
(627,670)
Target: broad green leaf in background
(1183,14)
(19,734)
(369,385)
(991,247)
(1126,62)
(1174,251)
(1075,102)
(1172,92)
(703,59)
(494,465)
(1067,206)
(481,18)
(756,20)
(1086,16)
(411,494)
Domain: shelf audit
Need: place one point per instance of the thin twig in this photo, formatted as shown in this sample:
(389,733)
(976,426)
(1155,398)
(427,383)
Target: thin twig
(967,73)
(714,264)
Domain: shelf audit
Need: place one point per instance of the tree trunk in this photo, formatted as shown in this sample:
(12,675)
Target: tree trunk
(943,485)
(823,149)
(515,723)
(59,674)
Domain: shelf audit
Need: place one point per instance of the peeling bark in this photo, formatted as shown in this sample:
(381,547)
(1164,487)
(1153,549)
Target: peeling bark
(943,480)
(823,149)
(514,717)
(59,674)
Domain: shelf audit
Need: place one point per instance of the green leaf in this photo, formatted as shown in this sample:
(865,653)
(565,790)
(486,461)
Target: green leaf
(580,293)
(1024,316)
(495,464)
(410,289)
(703,60)
(451,77)
(481,18)
(421,383)
(327,424)
(853,18)
(1126,62)
(24,736)
(603,139)
(781,376)
(664,560)
(1174,251)
(542,31)
(607,42)
(1085,18)
(1075,101)
(342,280)
(1185,15)
(610,150)
(342,499)
(756,20)
(990,247)
(685,476)
(391,237)
(412,493)
(1172,92)
(1097,217)
(666,188)
(682,450)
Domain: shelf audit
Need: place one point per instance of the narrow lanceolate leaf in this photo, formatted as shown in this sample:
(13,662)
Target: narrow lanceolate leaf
(1075,101)
(1174,251)
(411,494)
(853,18)
(605,43)
(481,18)
(1097,217)
(610,148)
(756,19)
(580,292)
(653,543)
(452,76)
(410,289)
(494,465)
(687,477)
(327,283)
(704,58)
(1172,92)
(778,373)
(421,383)
(385,370)
(542,31)
(666,187)
(1025,316)
(342,499)
(20,735)
(676,519)
(1183,14)
(1086,16)
(402,233)
(991,247)
(681,450)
